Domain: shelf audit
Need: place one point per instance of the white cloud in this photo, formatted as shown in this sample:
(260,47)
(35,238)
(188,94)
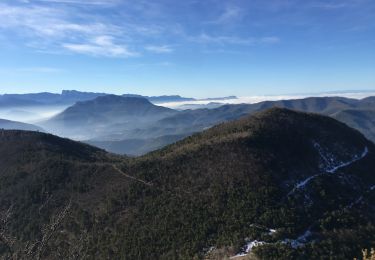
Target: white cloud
(53,28)
(78,25)
(334,4)
(230,14)
(46,22)
(207,39)
(100,46)
(159,49)
(257,99)
(269,40)
(329,6)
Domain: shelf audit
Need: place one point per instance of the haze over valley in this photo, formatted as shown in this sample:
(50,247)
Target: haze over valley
(134,125)
(178,130)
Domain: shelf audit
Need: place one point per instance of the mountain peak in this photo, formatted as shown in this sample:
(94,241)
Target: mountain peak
(121,99)
(116,104)
(105,114)
(283,130)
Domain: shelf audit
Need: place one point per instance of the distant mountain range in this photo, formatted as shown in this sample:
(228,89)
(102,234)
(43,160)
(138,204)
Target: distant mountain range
(13,125)
(356,113)
(106,115)
(70,97)
(132,124)
(67,97)
(278,184)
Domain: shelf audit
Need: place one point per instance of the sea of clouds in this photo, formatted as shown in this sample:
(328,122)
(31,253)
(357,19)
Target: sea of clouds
(260,98)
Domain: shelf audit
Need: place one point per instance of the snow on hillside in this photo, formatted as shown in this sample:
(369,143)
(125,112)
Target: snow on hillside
(330,165)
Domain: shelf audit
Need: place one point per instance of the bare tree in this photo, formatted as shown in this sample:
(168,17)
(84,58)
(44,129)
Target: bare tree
(77,249)
(35,249)
(30,249)
(5,236)
(48,231)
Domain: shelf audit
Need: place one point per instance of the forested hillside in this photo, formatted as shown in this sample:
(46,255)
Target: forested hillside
(278,184)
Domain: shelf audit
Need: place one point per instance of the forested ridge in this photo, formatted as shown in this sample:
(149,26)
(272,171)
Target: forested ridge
(307,178)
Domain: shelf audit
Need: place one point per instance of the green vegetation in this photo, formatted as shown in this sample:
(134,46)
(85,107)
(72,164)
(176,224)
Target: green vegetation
(66,200)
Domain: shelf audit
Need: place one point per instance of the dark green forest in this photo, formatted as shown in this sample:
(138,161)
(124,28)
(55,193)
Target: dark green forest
(204,197)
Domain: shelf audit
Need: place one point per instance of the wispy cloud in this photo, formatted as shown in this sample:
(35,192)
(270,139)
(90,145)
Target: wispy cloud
(47,22)
(147,27)
(159,49)
(230,14)
(331,5)
(222,40)
(45,26)
(269,40)
(101,46)
(59,26)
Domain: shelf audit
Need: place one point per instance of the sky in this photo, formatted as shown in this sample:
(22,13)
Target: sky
(198,48)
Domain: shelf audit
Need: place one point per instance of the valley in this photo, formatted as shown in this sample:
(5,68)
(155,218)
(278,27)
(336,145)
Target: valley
(132,125)
(236,189)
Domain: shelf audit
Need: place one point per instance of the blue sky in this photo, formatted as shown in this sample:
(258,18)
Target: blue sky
(194,47)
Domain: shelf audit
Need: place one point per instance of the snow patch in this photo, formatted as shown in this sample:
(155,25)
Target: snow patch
(345,164)
(295,243)
(331,165)
(304,182)
(270,231)
(247,249)
(209,250)
(300,241)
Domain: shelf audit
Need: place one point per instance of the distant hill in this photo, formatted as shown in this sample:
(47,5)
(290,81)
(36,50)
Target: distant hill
(14,101)
(330,106)
(361,119)
(70,97)
(108,121)
(119,124)
(276,185)
(110,106)
(105,115)
(67,97)
(137,147)
(13,125)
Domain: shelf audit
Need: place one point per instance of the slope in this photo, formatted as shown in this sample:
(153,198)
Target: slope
(13,125)
(105,115)
(300,183)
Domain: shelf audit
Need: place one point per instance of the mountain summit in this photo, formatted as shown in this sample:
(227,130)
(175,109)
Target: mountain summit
(111,107)
(104,113)
(276,185)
